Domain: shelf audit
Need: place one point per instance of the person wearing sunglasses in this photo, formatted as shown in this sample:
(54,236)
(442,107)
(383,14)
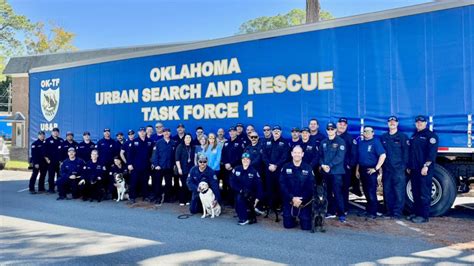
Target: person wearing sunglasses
(199,133)
(311,151)
(295,137)
(197,174)
(371,156)
(267,133)
(332,152)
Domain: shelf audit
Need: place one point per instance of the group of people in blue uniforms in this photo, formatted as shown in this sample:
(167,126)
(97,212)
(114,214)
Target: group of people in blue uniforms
(248,171)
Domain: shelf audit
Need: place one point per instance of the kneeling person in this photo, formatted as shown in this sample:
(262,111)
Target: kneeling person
(71,171)
(198,174)
(297,186)
(247,185)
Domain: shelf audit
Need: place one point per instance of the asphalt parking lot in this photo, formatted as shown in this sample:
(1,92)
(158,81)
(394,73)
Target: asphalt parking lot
(37,229)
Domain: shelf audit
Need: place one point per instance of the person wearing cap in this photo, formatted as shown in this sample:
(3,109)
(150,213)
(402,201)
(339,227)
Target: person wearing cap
(316,136)
(423,150)
(295,137)
(350,161)
(71,177)
(297,185)
(275,154)
(231,157)
(241,135)
(371,156)
(267,134)
(394,168)
(331,159)
(255,152)
(93,175)
(107,150)
(159,127)
(199,133)
(246,183)
(311,150)
(180,133)
(184,158)
(162,162)
(52,157)
(85,148)
(197,174)
(39,163)
(139,165)
(126,145)
(68,143)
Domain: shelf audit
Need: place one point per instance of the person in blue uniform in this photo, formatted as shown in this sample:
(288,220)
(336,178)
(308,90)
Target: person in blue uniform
(85,148)
(71,176)
(184,157)
(295,138)
(247,185)
(126,145)
(267,134)
(350,160)
(93,175)
(311,150)
(159,127)
(119,141)
(331,159)
(162,162)
(241,134)
(231,153)
(52,156)
(371,156)
(197,174)
(180,134)
(39,163)
(274,154)
(139,165)
(395,144)
(68,143)
(422,158)
(107,148)
(255,152)
(199,133)
(297,187)
(316,136)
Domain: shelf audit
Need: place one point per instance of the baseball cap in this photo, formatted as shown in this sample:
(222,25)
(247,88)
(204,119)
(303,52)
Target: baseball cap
(131,132)
(239,125)
(245,155)
(305,129)
(119,133)
(180,125)
(40,132)
(106,129)
(165,129)
(276,128)
(141,129)
(330,125)
(232,129)
(69,133)
(56,129)
(295,129)
(202,157)
(421,118)
(86,133)
(342,119)
(71,149)
(392,118)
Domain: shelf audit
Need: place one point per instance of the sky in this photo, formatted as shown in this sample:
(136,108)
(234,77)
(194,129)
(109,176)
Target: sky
(120,23)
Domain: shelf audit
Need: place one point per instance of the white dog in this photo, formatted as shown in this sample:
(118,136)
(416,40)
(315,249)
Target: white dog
(120,185)
(209,204)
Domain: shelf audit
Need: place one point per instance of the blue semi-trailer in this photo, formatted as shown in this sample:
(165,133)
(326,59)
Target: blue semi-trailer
(404,62)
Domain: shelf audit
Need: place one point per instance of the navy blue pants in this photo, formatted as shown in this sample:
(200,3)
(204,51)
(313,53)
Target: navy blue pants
(346,184)
(196,205)
(42,171)
(243,207)
(335,194)
(290,214)
(369,185)
(139,183)
(272,188)
(66,185)
(53,172)
(394,184)
(157,183)
(421,188)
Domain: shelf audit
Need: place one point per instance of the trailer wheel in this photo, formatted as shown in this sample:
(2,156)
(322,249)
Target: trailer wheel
(2,165)
(443,192)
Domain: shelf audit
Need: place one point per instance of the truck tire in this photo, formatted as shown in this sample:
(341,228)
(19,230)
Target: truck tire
(2,165)
(443,192)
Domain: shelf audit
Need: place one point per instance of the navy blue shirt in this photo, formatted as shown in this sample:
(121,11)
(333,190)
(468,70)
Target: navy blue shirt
(84,150)
(92,171)
(350,158)
(232,152)
(53,148)
(255,156)
(65,146)
(195,177)
(140,153)
(369,152)
(37,152)
(311,153)
(317,139)
(294,143)
(163,154)
(246,181)
(296,181)
(72,167)
(276,152)
(423,148)
(331,153)
(106,149)
(396,148)
(185,155)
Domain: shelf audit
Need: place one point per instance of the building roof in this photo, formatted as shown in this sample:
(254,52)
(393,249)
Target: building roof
(22,64)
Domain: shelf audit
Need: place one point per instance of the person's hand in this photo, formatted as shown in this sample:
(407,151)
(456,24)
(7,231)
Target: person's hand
(296,201)
(408,171)
(130,167)
(37,166)
(228,167)
(72,177)
(180,171)
(326,168)
(272,168)
(424,171)
(158,168)
(47,160)
(371,171)
(99,178)
(357,174)
(256,202)
(82,182)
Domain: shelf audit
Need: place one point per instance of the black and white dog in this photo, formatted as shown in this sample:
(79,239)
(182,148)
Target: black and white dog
(120,185)
(320,207)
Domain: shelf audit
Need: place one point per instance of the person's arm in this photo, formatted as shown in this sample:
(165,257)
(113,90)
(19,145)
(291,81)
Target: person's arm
(432,150)
(190,183)
(405,149)
(234,182)
(259,186)
(381,153)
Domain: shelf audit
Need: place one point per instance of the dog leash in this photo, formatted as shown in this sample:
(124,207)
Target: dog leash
(184,216)
(299,208)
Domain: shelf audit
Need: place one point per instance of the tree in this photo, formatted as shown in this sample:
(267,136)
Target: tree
(292,18)
(59,40)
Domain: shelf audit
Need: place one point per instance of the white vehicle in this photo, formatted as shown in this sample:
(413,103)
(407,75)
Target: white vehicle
(4,153)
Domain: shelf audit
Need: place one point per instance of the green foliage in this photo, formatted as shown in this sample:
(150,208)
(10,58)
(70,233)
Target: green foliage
(292,18)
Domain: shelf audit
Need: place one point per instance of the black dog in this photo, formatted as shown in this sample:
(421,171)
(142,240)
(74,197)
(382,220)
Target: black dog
(320,207)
